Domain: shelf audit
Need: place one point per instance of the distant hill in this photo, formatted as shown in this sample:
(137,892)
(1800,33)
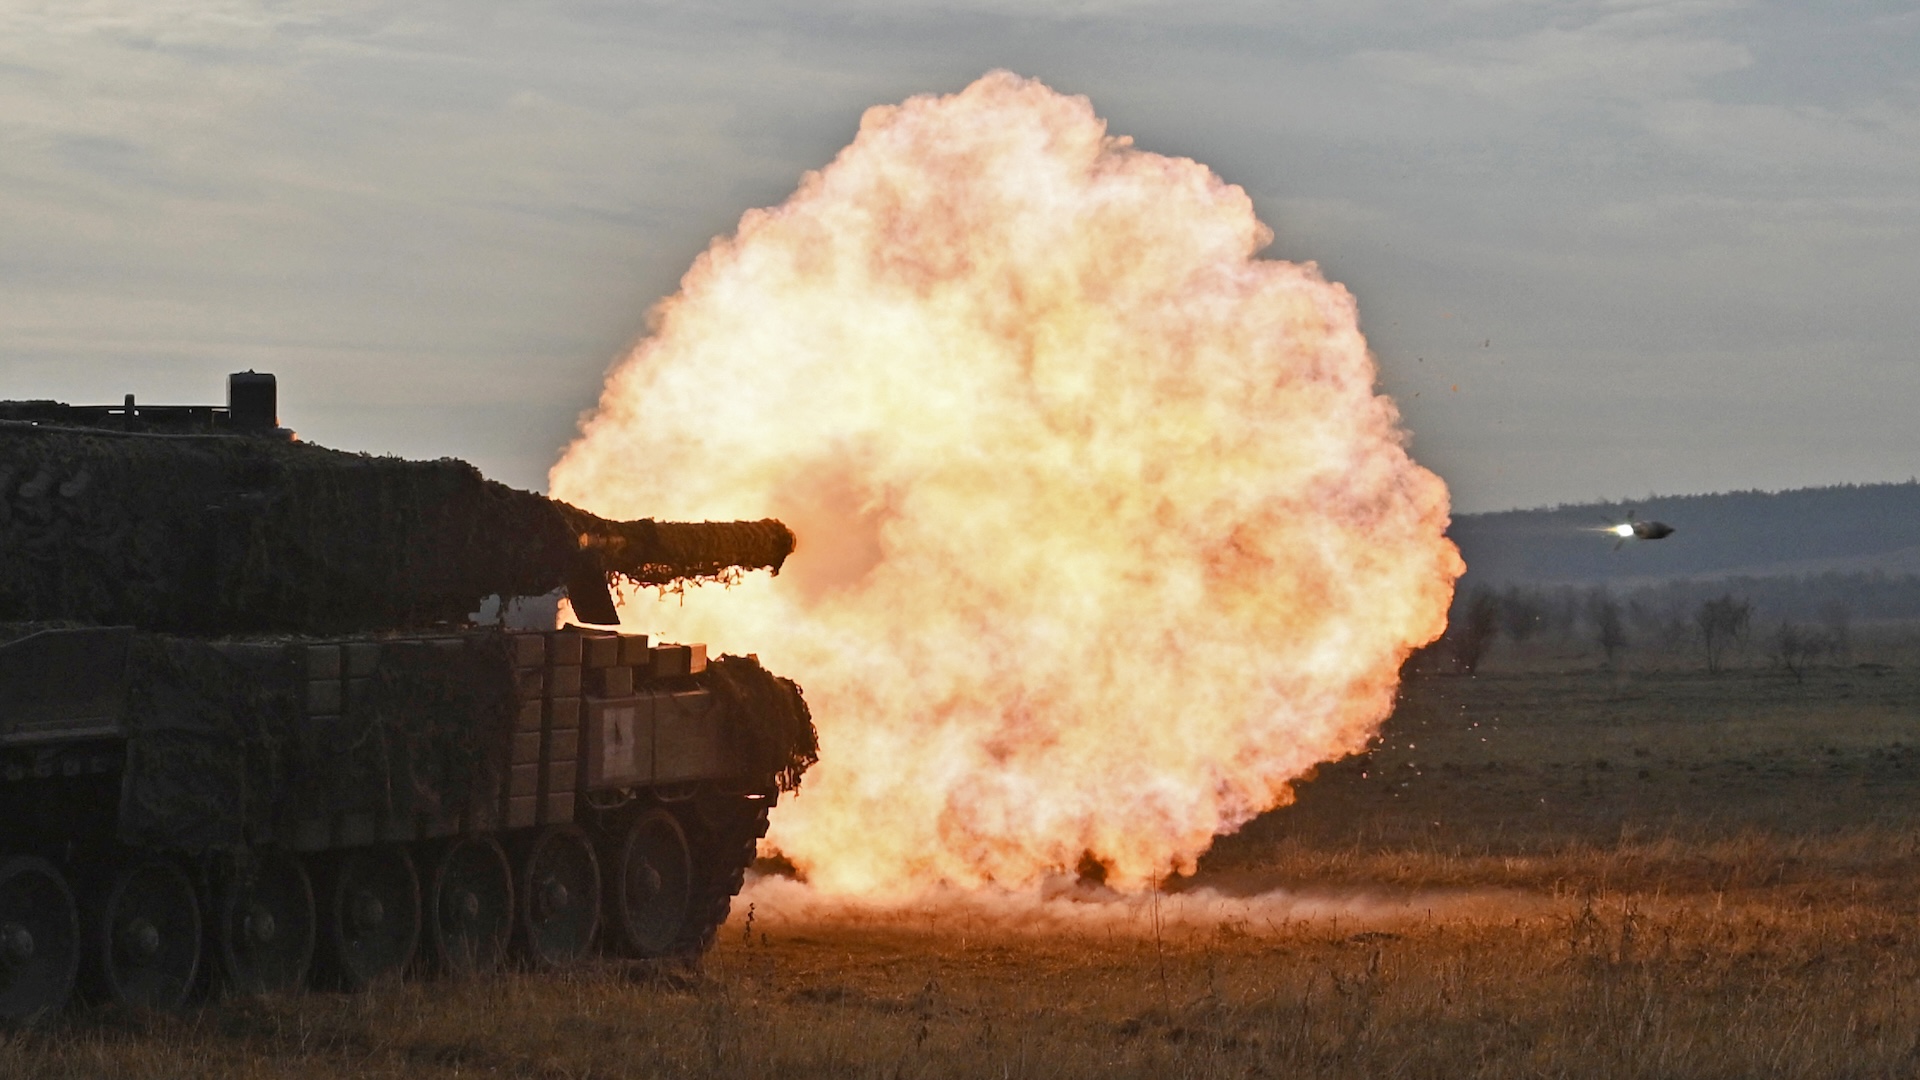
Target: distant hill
(1851,529)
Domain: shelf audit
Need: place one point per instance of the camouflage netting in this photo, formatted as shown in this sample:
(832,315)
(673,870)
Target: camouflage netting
(775,725)
(219,753)
(426,735)
(211,534)
(207,743)
(662,552)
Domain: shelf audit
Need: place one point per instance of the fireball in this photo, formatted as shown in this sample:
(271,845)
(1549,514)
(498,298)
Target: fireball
(1106,535)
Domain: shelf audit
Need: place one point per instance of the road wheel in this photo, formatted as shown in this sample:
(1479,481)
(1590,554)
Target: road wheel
(39,941)
(146,935)
(470,907)
(370,916)
(652,886)
(559,910)
(266,927)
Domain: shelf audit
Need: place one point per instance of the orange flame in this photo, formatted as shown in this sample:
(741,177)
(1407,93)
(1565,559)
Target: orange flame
(1105,537)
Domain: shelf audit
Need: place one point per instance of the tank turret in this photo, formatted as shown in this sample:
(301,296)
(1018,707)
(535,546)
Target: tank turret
(197,519)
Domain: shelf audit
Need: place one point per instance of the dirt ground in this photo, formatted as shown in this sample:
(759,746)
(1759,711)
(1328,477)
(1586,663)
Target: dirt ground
(1549,869)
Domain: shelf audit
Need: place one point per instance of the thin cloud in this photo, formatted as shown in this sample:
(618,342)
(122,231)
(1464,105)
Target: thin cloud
(1670,193)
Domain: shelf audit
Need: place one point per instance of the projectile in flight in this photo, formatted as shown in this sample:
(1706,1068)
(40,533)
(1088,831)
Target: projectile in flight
(1632,529)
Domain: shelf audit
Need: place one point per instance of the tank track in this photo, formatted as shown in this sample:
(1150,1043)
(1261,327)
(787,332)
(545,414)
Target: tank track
(725,842)
(722,834)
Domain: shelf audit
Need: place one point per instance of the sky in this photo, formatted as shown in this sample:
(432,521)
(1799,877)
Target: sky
(1601,249)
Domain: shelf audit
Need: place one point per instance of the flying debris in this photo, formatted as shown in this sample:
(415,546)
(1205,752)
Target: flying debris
(1631,529)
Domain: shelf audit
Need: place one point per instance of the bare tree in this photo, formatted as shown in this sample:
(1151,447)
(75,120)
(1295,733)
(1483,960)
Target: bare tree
(1560,613)
(1675,628)
(1723,623)
(1836,617)
(1794,648)
(1521,612)
(1479,623)
(1642,614)
(1788,644)
(1609,627)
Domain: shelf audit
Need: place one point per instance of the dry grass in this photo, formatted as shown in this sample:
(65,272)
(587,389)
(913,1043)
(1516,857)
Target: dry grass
(1613,989)
(1731,894)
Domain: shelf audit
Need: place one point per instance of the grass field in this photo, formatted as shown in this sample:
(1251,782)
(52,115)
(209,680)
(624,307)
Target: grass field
(1539,872)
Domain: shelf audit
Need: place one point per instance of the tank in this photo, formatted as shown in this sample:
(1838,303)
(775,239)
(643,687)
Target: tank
(256,733)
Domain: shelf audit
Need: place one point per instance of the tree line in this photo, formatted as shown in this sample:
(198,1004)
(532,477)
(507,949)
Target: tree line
(1807,621)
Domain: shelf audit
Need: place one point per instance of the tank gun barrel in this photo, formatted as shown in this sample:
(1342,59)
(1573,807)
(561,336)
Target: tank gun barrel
(661,552)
